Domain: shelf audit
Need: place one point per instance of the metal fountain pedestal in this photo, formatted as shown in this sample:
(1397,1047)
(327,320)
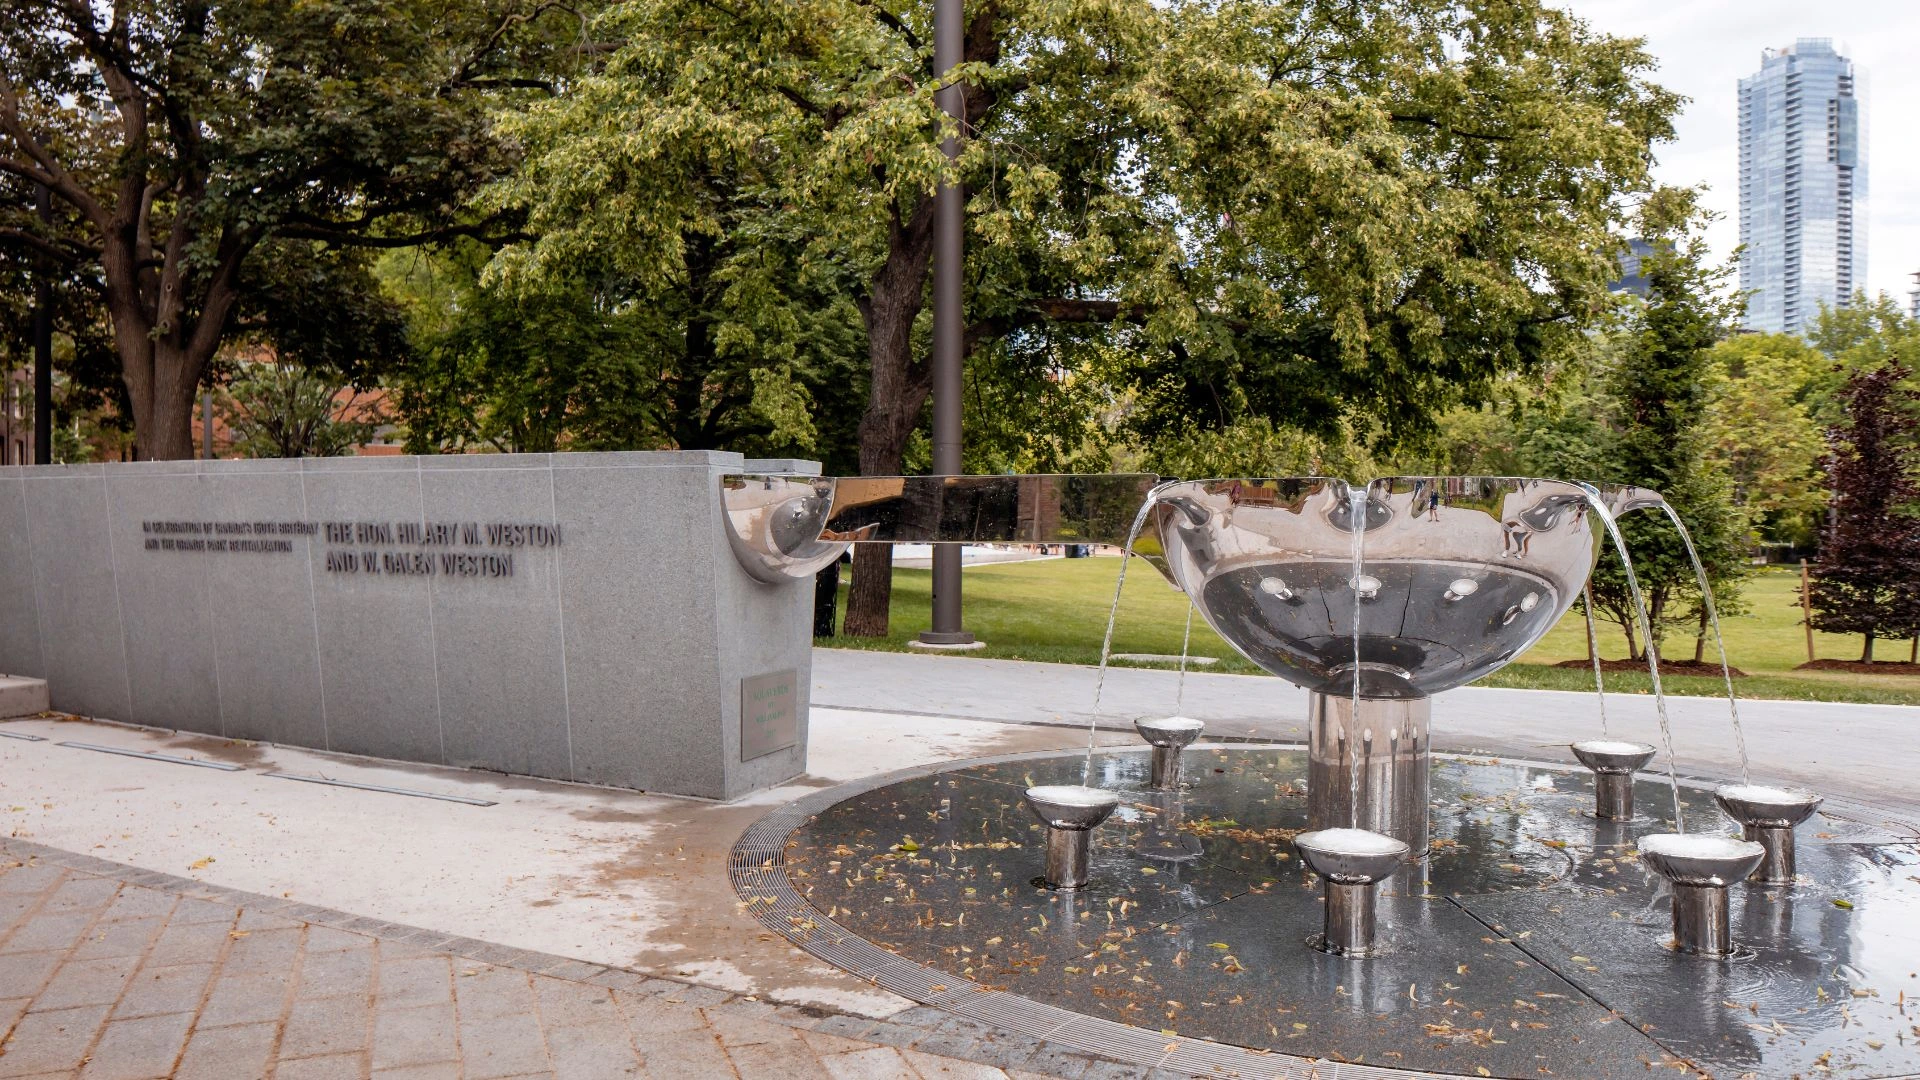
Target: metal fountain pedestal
(1767,816)
(1070,813)
(1391,738)
(1613,765)
(1351,862)
(1700,868)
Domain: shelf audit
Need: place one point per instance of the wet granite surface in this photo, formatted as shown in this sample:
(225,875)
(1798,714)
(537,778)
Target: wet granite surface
(1534,945)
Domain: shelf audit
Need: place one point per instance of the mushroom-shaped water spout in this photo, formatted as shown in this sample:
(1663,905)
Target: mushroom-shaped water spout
(1168,736)
(1613,765)
(1767,816)
(1070,813)
(1700,868)
(1350,862)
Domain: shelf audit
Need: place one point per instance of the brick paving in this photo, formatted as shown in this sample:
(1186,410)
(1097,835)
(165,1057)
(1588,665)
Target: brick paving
(112,973)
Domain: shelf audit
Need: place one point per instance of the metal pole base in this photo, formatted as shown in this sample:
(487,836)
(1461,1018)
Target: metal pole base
(1067,857)
(1350,922)
(1166,768)
(1390,736)
(1700,925)
(1613,796)
(1776,867)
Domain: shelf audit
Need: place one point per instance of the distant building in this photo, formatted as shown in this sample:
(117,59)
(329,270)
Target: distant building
(1631,280)
(1803,186)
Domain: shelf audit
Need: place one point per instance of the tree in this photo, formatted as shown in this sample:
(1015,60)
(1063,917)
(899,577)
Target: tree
(183,136)
(1867,578)
(1763,435)
(591,360)
(1657,383)
(1296,213)
(285,410)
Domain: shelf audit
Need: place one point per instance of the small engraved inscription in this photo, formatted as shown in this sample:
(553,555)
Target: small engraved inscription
(769,714)
(401,549)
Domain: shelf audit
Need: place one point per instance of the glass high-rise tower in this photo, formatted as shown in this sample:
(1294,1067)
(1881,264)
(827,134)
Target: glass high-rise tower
(1803,186)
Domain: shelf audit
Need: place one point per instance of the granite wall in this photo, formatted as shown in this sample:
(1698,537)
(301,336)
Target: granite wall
(572,616)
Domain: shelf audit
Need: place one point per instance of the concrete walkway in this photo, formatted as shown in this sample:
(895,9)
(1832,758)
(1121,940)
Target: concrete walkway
(1867,751)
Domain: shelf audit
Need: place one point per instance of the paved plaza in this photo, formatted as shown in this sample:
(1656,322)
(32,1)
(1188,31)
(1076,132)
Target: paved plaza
(158,919)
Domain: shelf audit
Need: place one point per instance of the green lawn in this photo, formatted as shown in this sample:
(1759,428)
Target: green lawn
(1056,610)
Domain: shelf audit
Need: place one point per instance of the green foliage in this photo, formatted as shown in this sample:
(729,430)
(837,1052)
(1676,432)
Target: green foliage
(1657,384)
(284,410)
(1867,579)
(183,137)
(1762,433)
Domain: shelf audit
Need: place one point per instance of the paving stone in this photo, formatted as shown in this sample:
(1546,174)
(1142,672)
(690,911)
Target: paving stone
(589,1052)
(87,982)
(89,894)
(135,902)
(690,1054)
(22,974)
(330,1067)
(178,988)
(51,1041)
(327,939)
(427,980)
(187,943)
(128,937)
(419,1072)
(786,1059)
(331,974)
(564,1004)
(245,999)
(491,991)
(422,1035)
(13,908)
(680,994)
(877,1063)
(47,931)
(501,1045)
(264,952)
(647,1015)
(139,1049)
(260,920)
(225,1053)
(745,1031)
(32,878)
(931,1067)
(191,910)
(823,1044)
(325,1026)
(11,1009)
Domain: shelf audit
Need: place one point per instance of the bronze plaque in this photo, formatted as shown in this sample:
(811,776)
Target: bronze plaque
(769,714)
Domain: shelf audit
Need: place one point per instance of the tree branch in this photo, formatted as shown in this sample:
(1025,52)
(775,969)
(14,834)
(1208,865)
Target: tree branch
(463,75)
(347,238)
(892,21)
(1437,125)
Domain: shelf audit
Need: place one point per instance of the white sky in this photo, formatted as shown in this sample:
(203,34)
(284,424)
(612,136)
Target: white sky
(1706,46)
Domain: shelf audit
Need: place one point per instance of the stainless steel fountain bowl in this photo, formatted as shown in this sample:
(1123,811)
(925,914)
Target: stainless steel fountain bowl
(1069,806)
(1351,856)
(1610,756)
(1701,860)
(1458,575)
(1766,807)
(1173,732)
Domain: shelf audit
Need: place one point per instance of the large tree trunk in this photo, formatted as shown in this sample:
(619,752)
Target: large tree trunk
(1866,654)
(899,391)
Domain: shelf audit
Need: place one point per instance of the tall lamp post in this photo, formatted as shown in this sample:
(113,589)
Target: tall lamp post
(43,343)
(949,223)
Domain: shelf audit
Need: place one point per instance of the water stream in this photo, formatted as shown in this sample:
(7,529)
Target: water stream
(1106,643)
(1186,639)
(1357,524)
(1719,641)
(1593,650)
(1646,635)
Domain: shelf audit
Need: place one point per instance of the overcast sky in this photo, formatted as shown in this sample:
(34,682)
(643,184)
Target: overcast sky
(1706,46)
